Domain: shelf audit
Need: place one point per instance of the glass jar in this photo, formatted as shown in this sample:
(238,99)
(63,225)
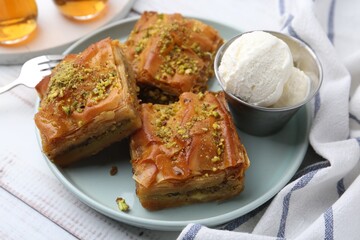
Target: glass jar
(17,20)
(81,9)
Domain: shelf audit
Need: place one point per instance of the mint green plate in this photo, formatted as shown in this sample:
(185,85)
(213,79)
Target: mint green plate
(274,160)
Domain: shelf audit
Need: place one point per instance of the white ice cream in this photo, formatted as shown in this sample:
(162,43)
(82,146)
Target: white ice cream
(295,90)
(257,66)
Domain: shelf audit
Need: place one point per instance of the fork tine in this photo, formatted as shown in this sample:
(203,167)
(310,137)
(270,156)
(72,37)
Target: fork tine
(50,68)
(37,60)
(47,65)
(55,57)
(37,68)
(43,66)
(52,61)
(47,58)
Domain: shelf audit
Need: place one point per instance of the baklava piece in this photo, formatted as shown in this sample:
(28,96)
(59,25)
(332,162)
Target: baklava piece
(187,152)
(171,53)
(88,102)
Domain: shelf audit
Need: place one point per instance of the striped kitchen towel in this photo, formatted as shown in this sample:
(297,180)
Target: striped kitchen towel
(322,201)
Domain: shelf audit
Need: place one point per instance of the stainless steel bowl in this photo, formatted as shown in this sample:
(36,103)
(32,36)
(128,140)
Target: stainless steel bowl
(262,121)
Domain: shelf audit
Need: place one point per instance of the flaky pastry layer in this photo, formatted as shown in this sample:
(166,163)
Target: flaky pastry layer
(88,102)
(172,53)
(187,149)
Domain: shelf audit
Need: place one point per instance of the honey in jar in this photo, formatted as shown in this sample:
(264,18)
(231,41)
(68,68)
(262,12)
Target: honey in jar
(17,20)
(81,9)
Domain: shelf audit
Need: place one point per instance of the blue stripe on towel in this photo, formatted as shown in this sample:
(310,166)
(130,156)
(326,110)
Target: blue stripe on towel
(331,21)
(358,140)
(282,7)
(302,182)
(312,167)
(288,21)
(340,187)
(191,234)
(293,33)
(329,224)
(317,103)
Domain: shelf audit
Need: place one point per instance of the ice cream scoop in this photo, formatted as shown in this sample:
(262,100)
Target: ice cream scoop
(296,88)
(257,66)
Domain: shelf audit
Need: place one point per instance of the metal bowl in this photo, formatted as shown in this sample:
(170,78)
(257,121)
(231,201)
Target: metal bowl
(263,121)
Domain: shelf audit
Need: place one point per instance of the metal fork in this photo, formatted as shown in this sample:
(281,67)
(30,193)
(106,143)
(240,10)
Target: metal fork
(33,71)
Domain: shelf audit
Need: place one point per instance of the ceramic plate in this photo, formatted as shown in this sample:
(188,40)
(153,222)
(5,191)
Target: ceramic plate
(274,160)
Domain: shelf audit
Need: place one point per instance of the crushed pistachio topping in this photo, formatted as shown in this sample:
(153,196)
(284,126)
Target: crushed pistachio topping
(170,133)
(175,57)
(163,130)
(177,62)
(196,27)
(216,126)
(66,109)
(122,205)
(72,85)
(160,16)
(211,110)
(140,46)
(220,143)
(215,159)
(201,95)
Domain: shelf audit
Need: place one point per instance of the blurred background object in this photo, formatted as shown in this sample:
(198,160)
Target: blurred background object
(17,20)
(81,9)
(55,33)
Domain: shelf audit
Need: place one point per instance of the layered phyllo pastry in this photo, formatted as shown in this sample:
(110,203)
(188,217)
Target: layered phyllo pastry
(88,102)
(171,54)
(187,152)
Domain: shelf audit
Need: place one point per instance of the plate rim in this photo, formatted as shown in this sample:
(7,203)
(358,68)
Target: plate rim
(176,225)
